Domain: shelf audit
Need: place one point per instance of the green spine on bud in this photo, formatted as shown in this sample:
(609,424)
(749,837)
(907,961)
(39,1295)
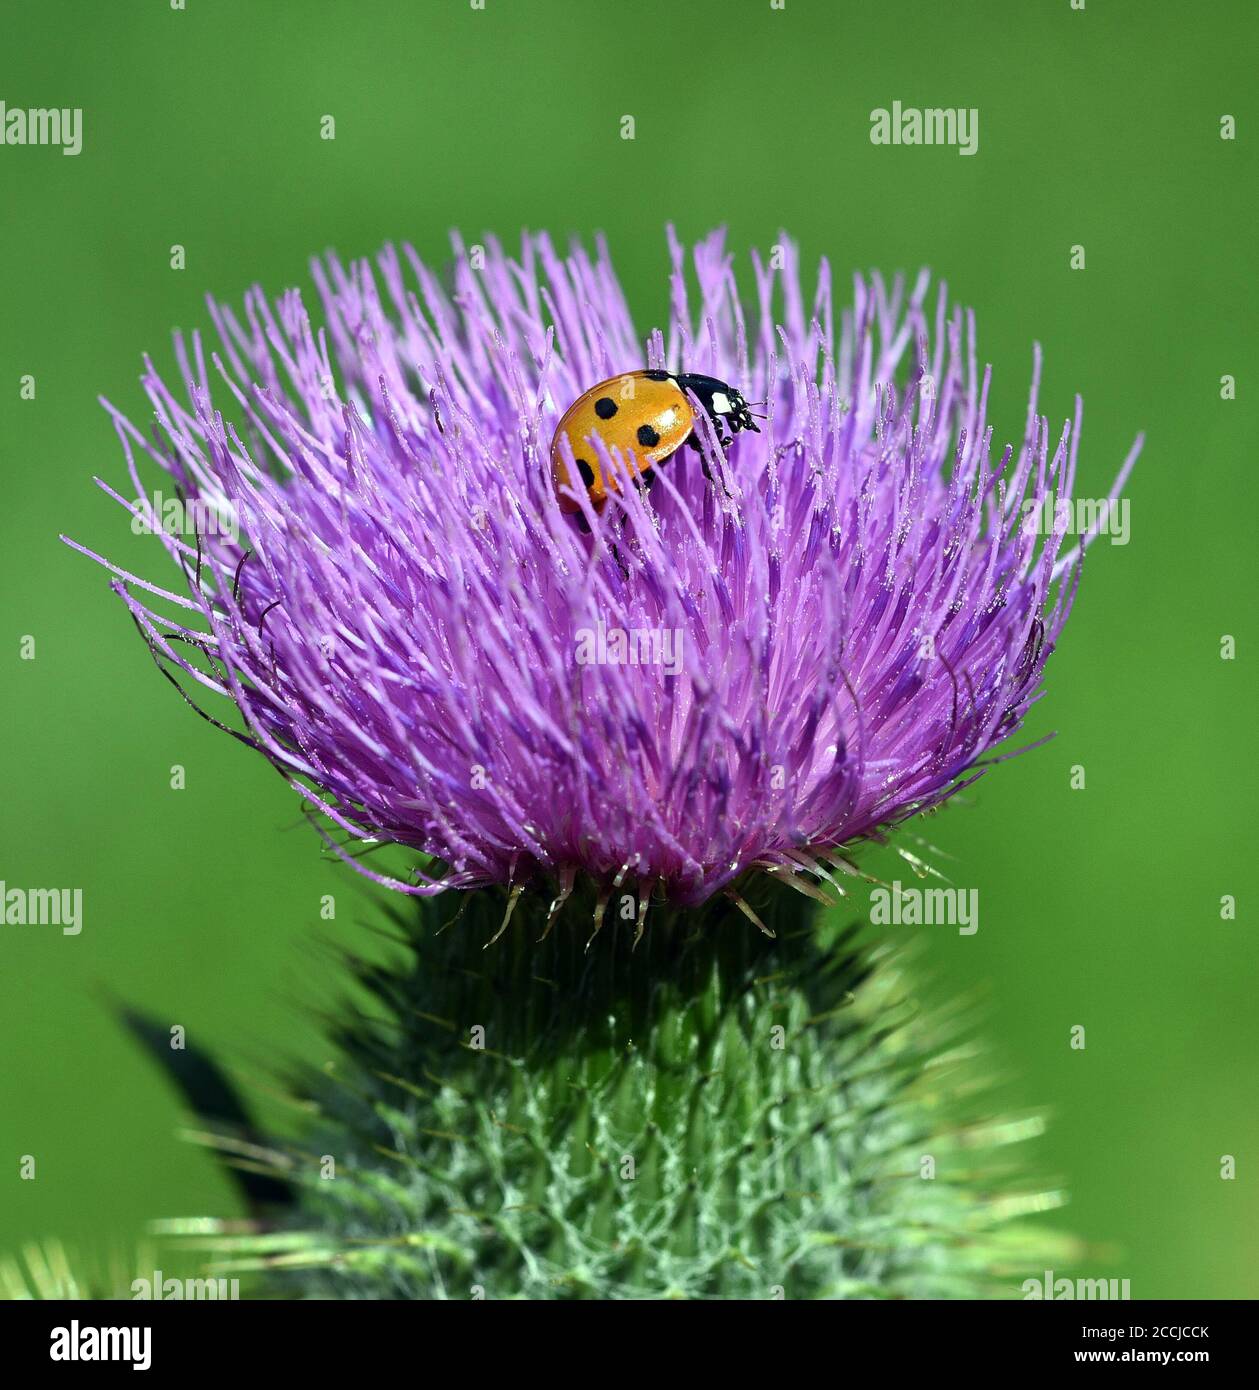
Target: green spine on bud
(709,1114)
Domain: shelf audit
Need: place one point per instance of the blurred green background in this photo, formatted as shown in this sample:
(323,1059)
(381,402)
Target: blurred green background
(1102,128)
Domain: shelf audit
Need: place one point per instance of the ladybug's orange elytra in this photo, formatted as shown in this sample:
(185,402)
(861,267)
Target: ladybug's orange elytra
(642,417)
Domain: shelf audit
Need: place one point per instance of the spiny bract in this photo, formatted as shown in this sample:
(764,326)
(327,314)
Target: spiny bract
(712,1115)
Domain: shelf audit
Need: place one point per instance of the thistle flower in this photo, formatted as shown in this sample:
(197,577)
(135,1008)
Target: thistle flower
(404,617)
(787,644)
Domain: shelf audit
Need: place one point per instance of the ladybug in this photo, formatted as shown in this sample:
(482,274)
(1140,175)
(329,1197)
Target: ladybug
(647,416)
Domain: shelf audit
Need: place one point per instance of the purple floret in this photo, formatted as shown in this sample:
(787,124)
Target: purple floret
(835,620)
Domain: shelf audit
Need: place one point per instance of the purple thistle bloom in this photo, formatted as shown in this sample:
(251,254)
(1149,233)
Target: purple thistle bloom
(835,620)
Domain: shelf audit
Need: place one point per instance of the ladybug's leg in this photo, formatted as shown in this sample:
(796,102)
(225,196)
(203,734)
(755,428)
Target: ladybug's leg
(692,440)
(620,563)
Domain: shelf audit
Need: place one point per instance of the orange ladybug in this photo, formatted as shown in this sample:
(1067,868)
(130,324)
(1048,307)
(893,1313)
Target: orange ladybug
(647,416)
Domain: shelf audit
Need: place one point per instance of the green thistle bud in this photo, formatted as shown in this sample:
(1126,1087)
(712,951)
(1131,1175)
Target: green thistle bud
(712,1114)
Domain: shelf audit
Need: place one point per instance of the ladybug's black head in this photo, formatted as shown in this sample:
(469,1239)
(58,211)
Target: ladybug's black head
(723,405)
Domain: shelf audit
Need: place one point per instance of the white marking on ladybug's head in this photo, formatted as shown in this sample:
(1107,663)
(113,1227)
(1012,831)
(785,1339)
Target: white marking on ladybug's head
(721,403)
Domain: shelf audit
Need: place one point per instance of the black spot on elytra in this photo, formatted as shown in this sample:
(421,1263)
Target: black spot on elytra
(587,473)
(657,376)
(605,407)
(648,437)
